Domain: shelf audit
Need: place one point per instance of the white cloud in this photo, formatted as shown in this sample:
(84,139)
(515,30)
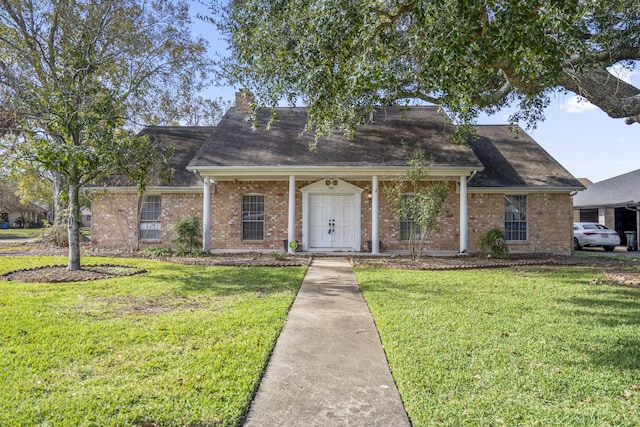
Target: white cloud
(624,73)
(577,105)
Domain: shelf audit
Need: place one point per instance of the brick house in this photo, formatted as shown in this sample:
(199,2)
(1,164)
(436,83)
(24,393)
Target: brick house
(262,189)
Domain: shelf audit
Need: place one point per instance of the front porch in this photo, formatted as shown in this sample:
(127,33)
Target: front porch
(323,215)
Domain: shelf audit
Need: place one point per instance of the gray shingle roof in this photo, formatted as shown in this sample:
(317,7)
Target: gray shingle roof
(612,192)
(514,159)
(379,143)
(185,140)
(10,202)
(508,159)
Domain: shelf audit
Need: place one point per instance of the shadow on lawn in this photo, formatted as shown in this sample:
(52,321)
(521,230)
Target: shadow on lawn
(227,281)
(614,308)
(611,307)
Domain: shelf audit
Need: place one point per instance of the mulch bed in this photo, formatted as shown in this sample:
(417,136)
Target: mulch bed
(506,261)
(616,269)
(59,273)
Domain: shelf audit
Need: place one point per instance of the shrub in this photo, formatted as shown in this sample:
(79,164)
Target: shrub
(56,234)
(158,252)
(493,242)
(188,235)
(278,256)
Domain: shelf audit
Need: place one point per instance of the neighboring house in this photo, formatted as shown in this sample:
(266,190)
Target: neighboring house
(85,217)
(264,190)
(612,202)
(13,213)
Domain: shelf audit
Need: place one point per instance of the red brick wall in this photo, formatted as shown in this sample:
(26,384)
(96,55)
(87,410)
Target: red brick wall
(550,218)
(113,220)
(114,217)
(447,238)
(226,214)
(550,221)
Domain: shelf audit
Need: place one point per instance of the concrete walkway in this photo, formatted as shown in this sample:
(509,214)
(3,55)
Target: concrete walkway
(328,367)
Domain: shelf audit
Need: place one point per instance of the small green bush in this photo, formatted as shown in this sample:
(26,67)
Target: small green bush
(158,252)
(278,256)
(493,242)
(188,235)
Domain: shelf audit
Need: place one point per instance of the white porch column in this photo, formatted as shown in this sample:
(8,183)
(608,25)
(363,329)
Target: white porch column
(206,215)
(291,233)
(375,226)
(464,229)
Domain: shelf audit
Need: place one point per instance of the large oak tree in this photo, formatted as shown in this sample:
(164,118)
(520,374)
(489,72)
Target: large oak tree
(340,57)
(81,76)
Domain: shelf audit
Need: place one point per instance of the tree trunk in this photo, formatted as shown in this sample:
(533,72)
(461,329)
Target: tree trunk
(59,206)
(135,242)
(59,217)
(74,228)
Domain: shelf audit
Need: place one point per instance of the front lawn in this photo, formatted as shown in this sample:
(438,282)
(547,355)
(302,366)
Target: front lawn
(179,345)
(21,233)
(525,346)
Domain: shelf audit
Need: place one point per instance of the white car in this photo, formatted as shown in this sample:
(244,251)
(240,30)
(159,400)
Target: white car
(594,234)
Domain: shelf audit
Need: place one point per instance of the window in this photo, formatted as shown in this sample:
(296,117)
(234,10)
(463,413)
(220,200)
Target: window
(405,231)
(253,217)
(515,217)
(150,219)
(405,226)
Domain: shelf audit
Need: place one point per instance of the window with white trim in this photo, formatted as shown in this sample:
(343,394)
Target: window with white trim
(253,217)
(407,225)
(515,217)
(150,219)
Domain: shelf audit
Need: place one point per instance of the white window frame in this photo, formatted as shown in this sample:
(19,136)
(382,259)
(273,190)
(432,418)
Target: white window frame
(516,221)
(150,214)
(253,217)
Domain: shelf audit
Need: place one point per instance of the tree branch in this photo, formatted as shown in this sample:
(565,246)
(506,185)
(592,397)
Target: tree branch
(391,18)
(614,96)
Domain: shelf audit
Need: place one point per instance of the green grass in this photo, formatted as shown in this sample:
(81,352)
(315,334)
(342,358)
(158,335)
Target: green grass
(21,233)
(527,346)
(180,345)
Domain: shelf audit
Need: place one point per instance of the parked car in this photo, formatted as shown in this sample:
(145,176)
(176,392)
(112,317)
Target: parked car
(591,234)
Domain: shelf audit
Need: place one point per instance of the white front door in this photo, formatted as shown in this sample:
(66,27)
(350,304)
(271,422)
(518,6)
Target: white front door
(332,221)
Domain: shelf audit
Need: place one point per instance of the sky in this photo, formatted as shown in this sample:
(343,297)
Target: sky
(580,136)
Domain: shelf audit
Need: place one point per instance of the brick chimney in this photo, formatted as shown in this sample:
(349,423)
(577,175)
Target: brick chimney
(243,101)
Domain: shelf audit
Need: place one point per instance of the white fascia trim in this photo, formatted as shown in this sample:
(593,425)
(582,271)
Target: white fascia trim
(257,172)
(607,205)
(150,190)
(519,190)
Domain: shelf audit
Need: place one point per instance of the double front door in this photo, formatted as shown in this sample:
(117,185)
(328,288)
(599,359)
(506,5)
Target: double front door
(332,221)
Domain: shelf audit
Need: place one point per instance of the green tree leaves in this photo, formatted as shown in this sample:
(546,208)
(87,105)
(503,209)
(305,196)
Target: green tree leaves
(417,202)
(82,76)
(342,58)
